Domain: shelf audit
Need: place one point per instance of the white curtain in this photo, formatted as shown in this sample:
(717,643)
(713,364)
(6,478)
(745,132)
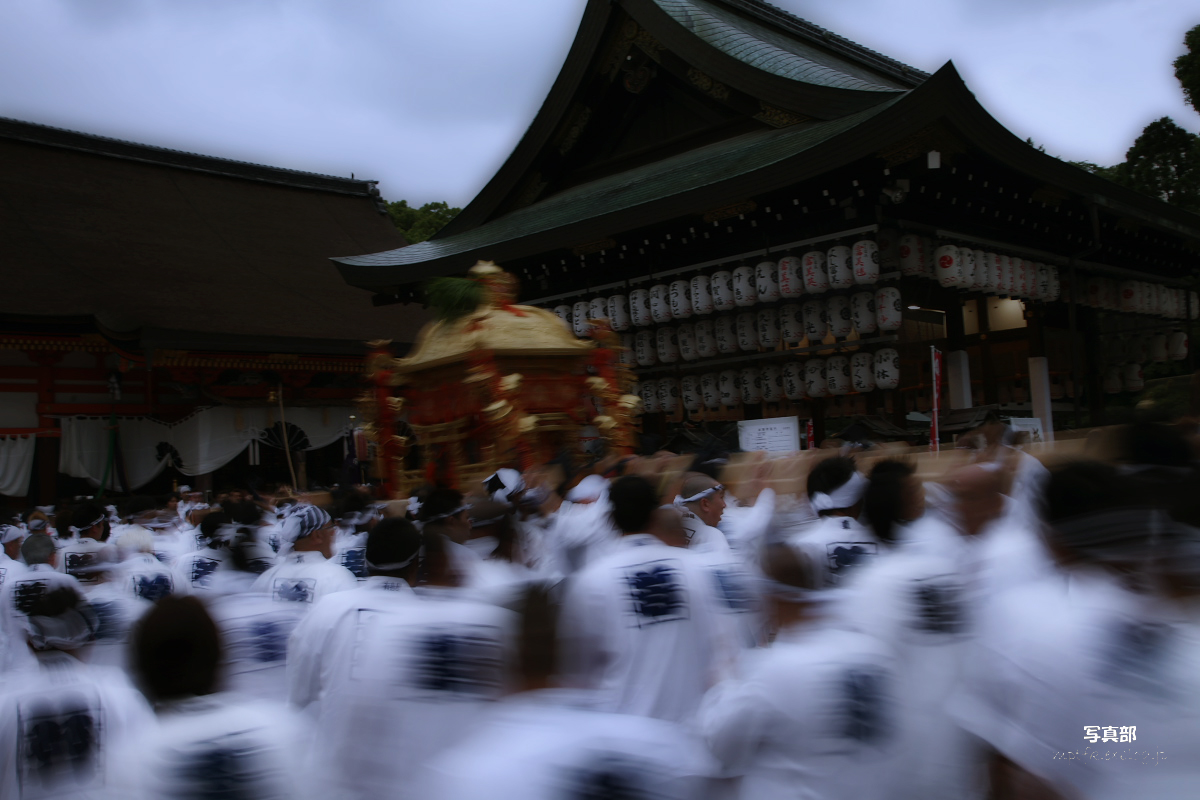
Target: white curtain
(16,464)
(205,441)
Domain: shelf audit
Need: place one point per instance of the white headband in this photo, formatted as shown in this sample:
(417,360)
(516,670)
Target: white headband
(391,567)
(699,495)
(844,496)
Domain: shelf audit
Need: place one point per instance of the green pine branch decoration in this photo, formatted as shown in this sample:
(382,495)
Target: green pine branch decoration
(451,298)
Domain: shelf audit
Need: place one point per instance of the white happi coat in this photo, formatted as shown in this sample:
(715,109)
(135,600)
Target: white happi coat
(813,718)
(640,626)
(63,726)
(399,681)
(304,577)
(550,745)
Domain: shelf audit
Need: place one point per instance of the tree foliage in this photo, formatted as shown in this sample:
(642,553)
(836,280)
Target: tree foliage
(418,224)
(1164,162)
(1187,68)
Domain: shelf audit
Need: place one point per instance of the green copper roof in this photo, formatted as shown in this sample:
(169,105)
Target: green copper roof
(694,169)
(770,50)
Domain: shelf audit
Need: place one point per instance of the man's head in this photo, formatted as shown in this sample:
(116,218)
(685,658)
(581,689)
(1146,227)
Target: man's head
(835,488)
(667,525)
(894,496)
(310,529)
(705,497)
(38,548)
(978,494)
(392,548)
(176,649)
(91,521)
(792,579)
(445,512)
(142,509)
(634,501)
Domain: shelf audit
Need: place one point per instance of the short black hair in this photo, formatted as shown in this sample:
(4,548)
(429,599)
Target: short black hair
(140,504)
(212,523)
(884,497)
(392,541)
(634,500)
(830,474)
(439,503)
(176,649)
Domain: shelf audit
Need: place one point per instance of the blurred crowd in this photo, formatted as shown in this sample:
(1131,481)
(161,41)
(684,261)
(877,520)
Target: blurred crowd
(846,623)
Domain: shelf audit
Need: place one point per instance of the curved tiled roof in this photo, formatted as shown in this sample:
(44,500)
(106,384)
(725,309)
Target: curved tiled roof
(770,50)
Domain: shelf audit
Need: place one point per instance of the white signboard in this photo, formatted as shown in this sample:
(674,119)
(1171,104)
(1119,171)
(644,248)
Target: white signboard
(778,435)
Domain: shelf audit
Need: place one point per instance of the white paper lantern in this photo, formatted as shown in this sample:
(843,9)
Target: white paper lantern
(730,394)
(815,323)
(889,314)
(681,299)
(979,280)
(1093,292)
(750,382)
(702,301)
(866,262)
(598,308)
(660,303)
(1177,346)
(579,317)
(1193,306)
(722,291)
(689,393)
(644,348)
(1110,295)
(791,277)
(837,315)
(1158,348)
(1055,290)
(949,265)
(1131,377)
(993,272)
(840,267)
(766,281)
(816,279)
(668,394)
(768,328)
(815,383)
(791,322)
(668,345)
(888,240)
(710,390)
(887,368)
(928,246)
(1146,297)
(1112,380)
(967,256)
(862,371)
(639,308)
(1043,282)
(912,255)
(725,331)
(747,331)
(837,375)
(1162,300)
(706,340)
(745,293)
(618,312)
(627,346)
(772,383)
(1139,349)
(793,380)
(1006,276)
(686,336)
(564,313)
(649,393)
(862,313)
(1129,297)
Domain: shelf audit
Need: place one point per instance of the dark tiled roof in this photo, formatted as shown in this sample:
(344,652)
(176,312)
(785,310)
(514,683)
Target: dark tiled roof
(687,171)
(908,76)
(35,133)
(776,48)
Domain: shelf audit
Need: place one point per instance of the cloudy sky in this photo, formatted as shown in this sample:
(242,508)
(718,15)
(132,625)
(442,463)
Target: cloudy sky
(429,97)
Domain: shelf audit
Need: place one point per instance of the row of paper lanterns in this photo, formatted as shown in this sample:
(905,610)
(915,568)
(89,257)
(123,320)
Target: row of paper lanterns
(1158,348)
(814,320)
(1139,297)
(796,380)
(978,270)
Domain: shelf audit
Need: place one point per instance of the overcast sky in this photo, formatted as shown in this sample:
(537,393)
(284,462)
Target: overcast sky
(429,96)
